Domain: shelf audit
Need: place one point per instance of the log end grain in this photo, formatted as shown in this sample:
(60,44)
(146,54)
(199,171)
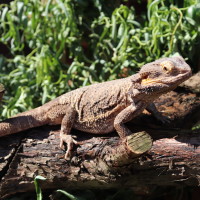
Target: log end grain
(139,142)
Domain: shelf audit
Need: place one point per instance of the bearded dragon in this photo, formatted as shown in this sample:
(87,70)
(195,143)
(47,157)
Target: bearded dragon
(104,107)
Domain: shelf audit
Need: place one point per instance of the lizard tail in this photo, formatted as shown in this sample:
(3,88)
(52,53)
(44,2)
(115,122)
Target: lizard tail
(23,121)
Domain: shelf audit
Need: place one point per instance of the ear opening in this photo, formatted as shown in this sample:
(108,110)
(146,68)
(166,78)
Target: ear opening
(144,75)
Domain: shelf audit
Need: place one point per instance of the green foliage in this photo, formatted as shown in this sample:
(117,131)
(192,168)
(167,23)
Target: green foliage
(84,194)
(37,186)
(54,46)
(70,196)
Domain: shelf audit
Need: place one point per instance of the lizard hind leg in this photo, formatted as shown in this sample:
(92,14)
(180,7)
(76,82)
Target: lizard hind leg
(65,137)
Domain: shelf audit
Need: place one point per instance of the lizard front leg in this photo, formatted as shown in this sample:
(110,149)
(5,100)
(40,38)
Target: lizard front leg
(126,115)
(65,137)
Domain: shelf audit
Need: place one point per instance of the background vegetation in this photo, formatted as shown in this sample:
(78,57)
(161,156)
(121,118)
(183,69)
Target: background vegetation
(49,47)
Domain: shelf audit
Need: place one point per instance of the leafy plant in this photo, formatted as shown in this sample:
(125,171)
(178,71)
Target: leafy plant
(54,46)
(70,196)
(65,194)
(37,186)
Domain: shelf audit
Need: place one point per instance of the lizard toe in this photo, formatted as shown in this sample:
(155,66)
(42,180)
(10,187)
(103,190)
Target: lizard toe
(67,155)
(164,119)
(62,146)
(67,139)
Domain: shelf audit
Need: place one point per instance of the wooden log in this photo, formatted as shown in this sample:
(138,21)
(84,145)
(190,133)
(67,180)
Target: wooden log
(102,162)
(39,154)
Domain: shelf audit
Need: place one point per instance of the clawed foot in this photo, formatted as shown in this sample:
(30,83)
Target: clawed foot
(69,140)
(164,119)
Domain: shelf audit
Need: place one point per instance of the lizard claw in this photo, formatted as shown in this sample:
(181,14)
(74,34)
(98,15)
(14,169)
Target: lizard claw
(68,139)
(164,119)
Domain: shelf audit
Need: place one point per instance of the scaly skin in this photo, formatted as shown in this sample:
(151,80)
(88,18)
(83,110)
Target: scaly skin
(104,107)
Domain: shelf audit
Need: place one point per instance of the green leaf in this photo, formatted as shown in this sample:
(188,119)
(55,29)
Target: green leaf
(70,196)
(37,187)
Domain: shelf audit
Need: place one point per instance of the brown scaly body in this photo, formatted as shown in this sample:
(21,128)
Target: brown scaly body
(104,107)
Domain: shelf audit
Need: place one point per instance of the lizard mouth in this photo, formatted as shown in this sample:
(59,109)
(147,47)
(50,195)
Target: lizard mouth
(165,81)
(148,81)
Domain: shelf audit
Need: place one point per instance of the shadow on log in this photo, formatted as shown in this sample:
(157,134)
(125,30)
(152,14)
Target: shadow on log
(103,162)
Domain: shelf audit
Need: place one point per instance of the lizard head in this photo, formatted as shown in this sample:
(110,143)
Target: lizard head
(165,73)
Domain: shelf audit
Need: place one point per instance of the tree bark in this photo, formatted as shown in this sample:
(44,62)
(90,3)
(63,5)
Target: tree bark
(105,161)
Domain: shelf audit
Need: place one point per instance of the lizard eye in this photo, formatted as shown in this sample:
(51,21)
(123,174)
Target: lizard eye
(167,66)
